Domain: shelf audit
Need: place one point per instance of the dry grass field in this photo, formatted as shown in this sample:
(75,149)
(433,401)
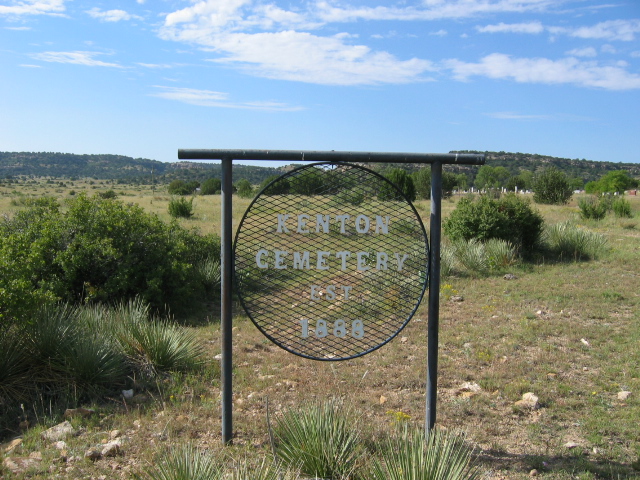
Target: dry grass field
(569,332)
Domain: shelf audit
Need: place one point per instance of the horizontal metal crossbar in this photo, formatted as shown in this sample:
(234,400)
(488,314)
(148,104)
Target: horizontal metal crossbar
(332,156)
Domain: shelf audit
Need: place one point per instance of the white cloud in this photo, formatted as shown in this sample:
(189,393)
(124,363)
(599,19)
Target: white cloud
(304,57)
(33,7)
(285,53)
(530,27)
(76,58)
(19,29)
(439,33)
(111,15)
(27,65)
(210,98)
(542,70)
(583,52)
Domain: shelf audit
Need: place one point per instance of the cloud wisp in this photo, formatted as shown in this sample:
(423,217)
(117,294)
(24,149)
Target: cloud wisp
(75,58)
(111,15)
(211,98)
(543,70)
(611,30)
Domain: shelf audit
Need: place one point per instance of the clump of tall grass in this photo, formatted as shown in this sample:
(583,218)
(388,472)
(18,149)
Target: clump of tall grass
(573,243)
(322,440)
(412,456)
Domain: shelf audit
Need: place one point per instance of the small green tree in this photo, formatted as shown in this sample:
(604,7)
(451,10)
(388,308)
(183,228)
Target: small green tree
(244,188)
(211,186)
(309,181)
(612,182)
(489,177)
(552,187)
(401,179)
(282,187)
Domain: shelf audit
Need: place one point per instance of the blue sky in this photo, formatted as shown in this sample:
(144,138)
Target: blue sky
(144,78)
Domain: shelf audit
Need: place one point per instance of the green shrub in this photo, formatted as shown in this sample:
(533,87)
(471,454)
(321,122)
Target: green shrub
(510,218)
(621,208)
(592,208)
(321,440)
(180,187)
(108,194)
(180,207)
(98,251)
(410,456)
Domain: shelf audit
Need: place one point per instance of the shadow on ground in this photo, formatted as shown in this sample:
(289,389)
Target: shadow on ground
(572,464)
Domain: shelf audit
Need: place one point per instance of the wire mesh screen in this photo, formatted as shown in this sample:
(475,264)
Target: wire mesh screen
(331,261)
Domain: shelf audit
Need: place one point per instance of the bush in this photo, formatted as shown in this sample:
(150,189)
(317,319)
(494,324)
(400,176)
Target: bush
(98,251)
(180,187)
(621,208)
(510,218)
(181,207)
(551,186)
(592,208)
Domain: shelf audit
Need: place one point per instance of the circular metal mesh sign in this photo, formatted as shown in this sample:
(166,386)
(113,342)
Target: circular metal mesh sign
(331,261)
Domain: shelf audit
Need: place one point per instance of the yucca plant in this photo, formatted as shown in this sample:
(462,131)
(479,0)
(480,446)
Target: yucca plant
(184,462)
(500,254)
(153,344)
(571,242)
(322,440)
(472,256)
(263,470)
(16,381)
(410,456)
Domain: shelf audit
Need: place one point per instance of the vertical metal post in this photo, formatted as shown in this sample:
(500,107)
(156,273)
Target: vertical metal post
(226,266)
(434,296)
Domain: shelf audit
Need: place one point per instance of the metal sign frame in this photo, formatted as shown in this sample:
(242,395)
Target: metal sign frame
(277,318)
(226,238)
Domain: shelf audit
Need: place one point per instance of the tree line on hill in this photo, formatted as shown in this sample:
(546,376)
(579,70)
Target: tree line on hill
(502,170)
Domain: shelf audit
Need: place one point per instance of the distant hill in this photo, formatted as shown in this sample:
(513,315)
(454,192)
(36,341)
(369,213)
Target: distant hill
(141,170)
(117,167)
